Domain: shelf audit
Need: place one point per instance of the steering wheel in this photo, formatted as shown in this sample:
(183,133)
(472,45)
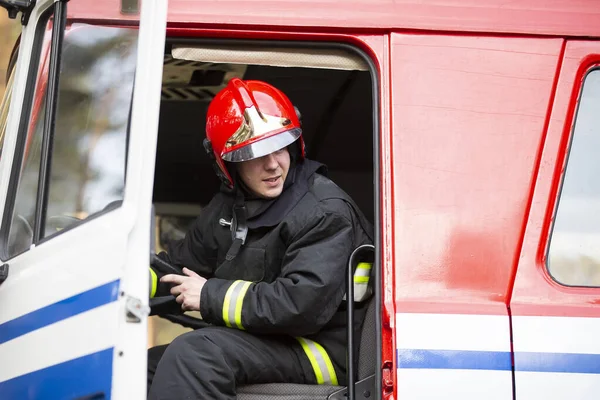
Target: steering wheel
(56,223)
(166,306)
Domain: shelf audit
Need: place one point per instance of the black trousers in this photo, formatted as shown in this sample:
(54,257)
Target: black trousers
(210,363)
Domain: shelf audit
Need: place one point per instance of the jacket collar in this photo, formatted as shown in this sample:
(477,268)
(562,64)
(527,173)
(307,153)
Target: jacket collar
(268,213)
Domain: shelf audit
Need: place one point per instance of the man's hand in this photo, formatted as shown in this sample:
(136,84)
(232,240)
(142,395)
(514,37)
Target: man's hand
(188,289)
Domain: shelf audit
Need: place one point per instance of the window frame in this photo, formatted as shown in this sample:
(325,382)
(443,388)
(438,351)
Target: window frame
(51,107)
(24,120)
(109,207)
(376,96)
(563,163)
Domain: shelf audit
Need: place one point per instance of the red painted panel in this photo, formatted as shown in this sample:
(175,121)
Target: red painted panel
(386,187)
(535,293)
(467,119)
(545,17)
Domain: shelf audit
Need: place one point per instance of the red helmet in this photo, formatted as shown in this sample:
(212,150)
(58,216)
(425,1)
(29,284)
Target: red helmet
(247,120)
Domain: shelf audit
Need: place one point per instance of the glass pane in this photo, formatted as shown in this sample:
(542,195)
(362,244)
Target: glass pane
(87,170)
(574,257)
(23,216)
(90,139)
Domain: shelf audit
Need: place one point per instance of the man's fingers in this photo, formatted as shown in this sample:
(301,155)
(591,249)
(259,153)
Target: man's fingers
(172,278)
(191,273)
(176,290)
(181,300)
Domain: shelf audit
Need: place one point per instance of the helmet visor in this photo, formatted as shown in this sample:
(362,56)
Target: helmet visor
(264,146)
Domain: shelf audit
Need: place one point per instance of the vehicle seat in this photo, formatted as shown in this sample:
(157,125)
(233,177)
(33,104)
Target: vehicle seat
(289,391)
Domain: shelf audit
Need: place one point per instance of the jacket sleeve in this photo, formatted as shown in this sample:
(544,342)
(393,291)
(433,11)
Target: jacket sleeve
(303,298)
(197,251)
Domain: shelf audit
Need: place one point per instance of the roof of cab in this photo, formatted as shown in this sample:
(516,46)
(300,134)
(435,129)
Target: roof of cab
(580,18)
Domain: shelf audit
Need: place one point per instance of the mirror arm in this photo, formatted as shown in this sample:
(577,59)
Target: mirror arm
(15,6)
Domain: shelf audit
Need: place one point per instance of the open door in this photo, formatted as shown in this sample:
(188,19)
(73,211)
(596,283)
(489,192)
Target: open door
(76,176)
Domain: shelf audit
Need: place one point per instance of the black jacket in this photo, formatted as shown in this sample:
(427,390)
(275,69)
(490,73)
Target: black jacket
(289,276)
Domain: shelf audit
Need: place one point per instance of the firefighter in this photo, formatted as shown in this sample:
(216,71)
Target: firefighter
(264,264)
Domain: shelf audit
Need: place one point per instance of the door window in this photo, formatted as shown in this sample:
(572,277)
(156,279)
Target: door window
(574,253)
(89,142)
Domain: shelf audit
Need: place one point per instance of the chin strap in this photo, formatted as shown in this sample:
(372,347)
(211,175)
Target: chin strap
(238,225)
(209,151)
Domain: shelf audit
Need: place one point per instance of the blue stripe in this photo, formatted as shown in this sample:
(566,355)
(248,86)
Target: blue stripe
(58,311)
(454,359)
(558,362)
(499,361)
(87,377)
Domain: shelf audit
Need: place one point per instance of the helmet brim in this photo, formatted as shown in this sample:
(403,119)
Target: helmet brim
(262,147)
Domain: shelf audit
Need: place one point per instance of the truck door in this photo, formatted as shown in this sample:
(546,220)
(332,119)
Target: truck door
(556,299)
(465,137)
(76,173)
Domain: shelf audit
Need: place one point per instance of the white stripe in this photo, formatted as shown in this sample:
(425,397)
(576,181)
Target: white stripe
(453,332)
(557,334)
(557,386)
(433,384)
(75,337)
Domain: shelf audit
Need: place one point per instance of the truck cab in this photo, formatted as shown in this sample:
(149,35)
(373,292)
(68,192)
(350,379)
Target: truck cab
(467,134)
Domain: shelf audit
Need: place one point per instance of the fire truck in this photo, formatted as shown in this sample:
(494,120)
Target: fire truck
(467,132)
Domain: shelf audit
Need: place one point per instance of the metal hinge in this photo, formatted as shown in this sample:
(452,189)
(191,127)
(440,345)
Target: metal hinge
(364,390)
(135,310)
(387,378)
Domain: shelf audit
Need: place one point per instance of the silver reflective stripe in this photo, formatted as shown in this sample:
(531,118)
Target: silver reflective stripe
(362,273)
(361,291)
(320,362)
(361,282)
(233,302)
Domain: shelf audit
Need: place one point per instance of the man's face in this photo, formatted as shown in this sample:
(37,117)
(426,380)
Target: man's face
(265,176)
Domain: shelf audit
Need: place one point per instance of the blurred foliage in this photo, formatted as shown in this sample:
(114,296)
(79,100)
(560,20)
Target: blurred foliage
(582,270)
(9,30)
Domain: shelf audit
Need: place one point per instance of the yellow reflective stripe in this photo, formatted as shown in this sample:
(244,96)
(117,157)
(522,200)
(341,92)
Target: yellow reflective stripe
(153,283)
(313,361)
(364,265)
(233,303)
(226,303)
(329,364)
(320,362)
(363,270)
(239,303)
